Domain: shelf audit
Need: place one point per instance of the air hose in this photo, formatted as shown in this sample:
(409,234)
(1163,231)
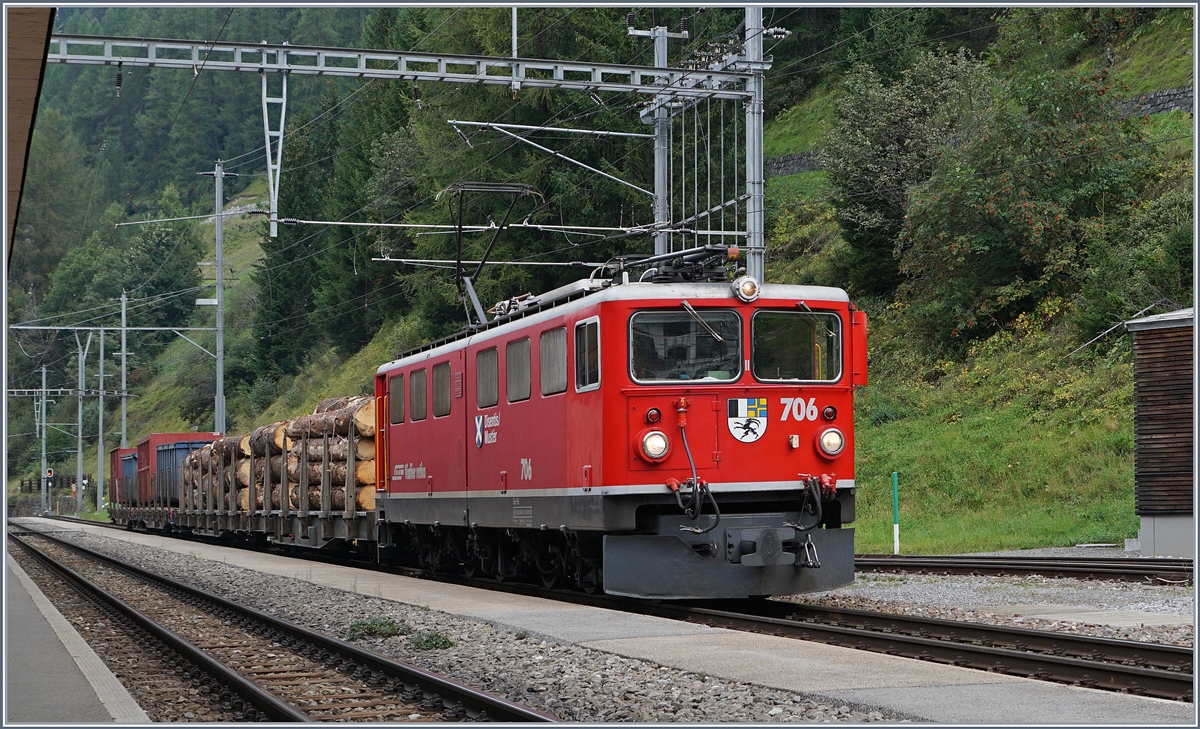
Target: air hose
(699,486)
(812,485)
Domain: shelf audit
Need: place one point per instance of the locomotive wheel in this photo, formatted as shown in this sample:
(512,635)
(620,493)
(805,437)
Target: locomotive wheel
(550,569)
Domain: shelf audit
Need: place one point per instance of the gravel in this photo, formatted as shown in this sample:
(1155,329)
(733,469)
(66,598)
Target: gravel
(570,681)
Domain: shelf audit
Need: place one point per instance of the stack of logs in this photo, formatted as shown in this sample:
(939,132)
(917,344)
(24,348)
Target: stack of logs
(256,462)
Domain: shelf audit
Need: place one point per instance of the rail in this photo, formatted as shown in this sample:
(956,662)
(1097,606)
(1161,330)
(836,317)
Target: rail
(1130,569)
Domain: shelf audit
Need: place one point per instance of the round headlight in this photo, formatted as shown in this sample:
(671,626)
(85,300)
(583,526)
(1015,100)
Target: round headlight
(745,288)
(832,442)
(655,445)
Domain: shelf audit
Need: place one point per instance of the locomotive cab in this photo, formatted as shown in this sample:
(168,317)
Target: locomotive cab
(742,412)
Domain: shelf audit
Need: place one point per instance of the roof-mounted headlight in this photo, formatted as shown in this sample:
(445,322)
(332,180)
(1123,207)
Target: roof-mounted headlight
(745,288)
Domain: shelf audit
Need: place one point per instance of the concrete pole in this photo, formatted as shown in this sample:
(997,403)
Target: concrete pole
(124,352)
(219,406)
(79,424)
(662,131)
(100,433)
(755,217)
(45,485)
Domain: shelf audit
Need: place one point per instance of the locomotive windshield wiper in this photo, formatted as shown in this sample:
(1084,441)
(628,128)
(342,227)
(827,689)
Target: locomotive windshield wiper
(696,316)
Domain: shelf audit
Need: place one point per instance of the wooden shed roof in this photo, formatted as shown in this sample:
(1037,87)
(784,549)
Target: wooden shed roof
(1171,319)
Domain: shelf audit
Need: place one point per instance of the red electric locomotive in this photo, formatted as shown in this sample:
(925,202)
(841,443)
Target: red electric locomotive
(684,437)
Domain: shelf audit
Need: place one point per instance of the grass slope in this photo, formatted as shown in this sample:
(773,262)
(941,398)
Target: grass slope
(1021,445)
(332,375)
(799,127)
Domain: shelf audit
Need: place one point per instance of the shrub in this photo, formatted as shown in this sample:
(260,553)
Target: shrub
(431,641)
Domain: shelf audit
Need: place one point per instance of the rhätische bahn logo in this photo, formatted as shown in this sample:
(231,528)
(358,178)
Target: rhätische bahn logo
(747,417)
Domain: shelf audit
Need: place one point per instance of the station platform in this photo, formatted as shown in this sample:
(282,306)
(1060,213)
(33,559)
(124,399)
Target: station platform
(917,689)
(51,675)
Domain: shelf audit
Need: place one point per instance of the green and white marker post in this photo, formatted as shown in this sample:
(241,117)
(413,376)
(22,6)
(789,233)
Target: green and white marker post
(895,513)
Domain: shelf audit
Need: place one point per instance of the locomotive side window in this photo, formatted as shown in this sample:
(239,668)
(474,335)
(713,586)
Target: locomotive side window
(396,400)
(487,378)
(441,389)
(587,355)
(678,345)
(553,351)
(517,370)
(416,394)
(796,345)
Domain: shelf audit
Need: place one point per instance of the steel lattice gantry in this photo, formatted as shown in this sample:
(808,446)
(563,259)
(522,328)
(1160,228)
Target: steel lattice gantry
(313,60)
(662,84)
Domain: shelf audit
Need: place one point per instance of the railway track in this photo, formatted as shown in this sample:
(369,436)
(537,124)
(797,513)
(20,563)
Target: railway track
(258,667)
(1129,569)
(1149,669)
(1136,667)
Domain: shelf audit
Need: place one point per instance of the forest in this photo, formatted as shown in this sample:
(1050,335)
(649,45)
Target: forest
(975,170)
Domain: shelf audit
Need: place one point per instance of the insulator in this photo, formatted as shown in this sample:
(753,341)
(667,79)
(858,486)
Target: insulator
(120,80)
(629,20)
(683,25)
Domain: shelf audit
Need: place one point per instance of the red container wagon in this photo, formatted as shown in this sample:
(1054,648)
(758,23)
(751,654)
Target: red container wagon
(159,465)
(122,476)
(676,439)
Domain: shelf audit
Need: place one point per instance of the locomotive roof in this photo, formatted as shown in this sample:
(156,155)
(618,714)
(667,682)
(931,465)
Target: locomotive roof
(588,292)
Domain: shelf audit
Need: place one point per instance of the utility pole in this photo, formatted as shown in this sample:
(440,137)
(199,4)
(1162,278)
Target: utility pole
(100,432)
(662,134)
(124,353)
(218,174)
(755,218)
(79,424)
(45,485)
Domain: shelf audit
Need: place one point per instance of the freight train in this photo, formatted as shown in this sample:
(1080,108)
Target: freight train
(676,435)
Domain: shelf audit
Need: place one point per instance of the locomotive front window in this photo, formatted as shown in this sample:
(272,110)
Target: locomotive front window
(796,345)
(678,345)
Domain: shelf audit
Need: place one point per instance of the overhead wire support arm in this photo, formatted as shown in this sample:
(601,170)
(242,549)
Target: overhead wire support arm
(447,261)
(430,226)
(568,159)
(599,133)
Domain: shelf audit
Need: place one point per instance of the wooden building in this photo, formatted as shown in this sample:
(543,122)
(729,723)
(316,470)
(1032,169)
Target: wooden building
(1164,462)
